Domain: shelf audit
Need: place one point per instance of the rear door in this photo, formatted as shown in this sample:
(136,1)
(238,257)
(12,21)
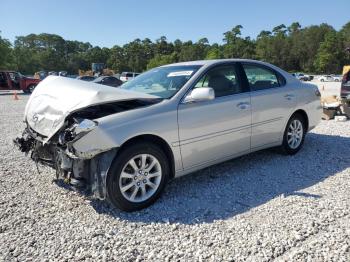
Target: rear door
(220,128)
(272,102)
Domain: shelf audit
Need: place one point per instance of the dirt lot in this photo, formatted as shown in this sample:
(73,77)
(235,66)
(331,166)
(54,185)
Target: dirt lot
(260,207)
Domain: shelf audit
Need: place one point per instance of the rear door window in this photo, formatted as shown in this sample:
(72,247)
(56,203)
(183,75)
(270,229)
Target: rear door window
(260,77)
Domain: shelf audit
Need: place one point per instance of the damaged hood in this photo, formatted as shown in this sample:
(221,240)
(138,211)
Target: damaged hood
(57,97)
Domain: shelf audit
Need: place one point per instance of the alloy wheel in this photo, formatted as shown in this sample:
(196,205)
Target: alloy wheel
(295,133)
(140,178)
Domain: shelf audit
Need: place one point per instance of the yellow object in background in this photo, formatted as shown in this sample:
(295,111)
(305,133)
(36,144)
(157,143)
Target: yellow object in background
(346,69)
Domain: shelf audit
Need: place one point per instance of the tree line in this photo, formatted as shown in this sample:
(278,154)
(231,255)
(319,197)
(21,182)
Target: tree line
(313,49)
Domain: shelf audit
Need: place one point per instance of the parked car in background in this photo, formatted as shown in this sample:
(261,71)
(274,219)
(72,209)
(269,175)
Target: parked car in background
(337,78)
(12,80)
(345,86)
(62,73)
(127,76)
(53,73)
(302,77)
(72,76)
(40,75)
(330,78)
(126,143)
(86,78)
(108,81)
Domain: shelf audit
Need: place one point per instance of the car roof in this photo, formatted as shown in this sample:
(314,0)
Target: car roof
(207,63)
(214,61)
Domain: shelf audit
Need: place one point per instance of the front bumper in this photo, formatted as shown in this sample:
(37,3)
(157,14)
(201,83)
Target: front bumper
(90,174)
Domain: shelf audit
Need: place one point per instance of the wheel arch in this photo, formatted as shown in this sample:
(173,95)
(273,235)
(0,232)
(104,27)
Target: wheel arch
(158,141)
(304,115)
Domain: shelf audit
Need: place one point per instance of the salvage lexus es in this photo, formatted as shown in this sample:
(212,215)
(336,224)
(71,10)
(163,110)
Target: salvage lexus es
(124,144)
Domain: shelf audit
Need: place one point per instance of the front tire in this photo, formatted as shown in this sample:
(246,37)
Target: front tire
(294,135)
(29,89)
(137,176)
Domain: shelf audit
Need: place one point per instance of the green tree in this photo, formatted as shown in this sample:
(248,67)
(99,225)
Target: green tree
(192,51)
(318,48)
(345,34)
(6,54)
(307,43)
(274,47)
(237,47)
(330,55)
(117,60)
(214,52)
(159,60)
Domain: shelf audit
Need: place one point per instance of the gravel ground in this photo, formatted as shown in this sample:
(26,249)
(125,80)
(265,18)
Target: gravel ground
(327,88)
(260,207)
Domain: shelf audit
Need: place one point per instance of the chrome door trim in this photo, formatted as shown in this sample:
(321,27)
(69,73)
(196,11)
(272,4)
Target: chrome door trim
(212,135)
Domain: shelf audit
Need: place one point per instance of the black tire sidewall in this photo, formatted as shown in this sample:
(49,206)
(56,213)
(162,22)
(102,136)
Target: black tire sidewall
(285,146)
(31,88)
(113,191)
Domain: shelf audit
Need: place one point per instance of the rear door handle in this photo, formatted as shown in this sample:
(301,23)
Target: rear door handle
(243,105)
(289,96)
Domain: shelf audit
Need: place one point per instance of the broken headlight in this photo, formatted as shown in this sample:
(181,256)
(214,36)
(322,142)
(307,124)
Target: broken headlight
(76,131)
(85,126)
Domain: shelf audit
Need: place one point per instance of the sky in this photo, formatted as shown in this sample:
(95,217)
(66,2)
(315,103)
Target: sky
(107,23)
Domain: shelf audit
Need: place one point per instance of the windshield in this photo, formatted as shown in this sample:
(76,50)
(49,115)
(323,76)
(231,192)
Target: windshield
(162,81)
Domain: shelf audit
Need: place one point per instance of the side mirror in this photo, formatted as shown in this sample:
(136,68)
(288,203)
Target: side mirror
(200,94)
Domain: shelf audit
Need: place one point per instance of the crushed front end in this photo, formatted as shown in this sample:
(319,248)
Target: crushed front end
(82,170)
(65,130)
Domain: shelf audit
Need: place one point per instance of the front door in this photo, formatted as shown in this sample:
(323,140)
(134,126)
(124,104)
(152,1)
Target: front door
(217,129)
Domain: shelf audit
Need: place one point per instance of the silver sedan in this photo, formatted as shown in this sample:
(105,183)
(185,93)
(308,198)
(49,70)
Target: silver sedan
(125,144)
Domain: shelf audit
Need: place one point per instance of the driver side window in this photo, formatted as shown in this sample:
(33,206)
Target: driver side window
(223,79)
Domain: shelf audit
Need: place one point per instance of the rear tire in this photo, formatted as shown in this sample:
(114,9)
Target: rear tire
(142,168)
(294,135)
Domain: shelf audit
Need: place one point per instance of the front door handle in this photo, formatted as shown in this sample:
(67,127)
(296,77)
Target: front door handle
(243,105)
